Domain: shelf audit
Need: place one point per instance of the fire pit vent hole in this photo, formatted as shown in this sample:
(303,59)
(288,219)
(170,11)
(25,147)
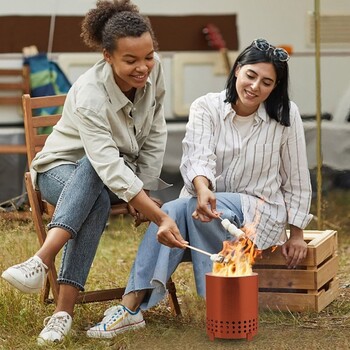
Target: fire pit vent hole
(220,327)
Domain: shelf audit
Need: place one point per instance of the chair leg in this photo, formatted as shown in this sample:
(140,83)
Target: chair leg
(52,285)
(100,295)
(172,298)
(41,233)
(44,297)
(52,279)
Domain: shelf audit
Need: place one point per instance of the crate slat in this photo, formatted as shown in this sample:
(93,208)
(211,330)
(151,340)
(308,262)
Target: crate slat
(311,286)
(300,302)
(326,272)
(310,279)
(321,245)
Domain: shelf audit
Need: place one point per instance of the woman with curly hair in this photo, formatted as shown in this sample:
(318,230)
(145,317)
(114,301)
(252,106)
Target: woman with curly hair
(107,147)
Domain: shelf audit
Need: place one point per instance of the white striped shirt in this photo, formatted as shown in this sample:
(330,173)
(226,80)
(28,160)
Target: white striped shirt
(268,167)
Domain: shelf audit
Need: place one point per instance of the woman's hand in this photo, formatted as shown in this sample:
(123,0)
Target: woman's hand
(169,234)
(206,200)
(138,216)
(295,249)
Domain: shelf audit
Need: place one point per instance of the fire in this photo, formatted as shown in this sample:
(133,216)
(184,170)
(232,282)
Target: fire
(239,258)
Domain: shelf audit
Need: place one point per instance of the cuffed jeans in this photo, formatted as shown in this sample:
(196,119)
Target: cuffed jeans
(82,208)
(155,263)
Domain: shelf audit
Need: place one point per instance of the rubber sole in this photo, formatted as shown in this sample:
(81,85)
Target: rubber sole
(111,334)
(15,283)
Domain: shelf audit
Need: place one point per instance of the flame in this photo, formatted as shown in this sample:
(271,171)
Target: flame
(239,256)
(273,248)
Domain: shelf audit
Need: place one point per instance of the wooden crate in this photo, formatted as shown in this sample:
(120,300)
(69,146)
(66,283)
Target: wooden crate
(311,286)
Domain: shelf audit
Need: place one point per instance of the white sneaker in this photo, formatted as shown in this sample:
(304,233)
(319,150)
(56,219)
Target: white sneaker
(28,277)
(56,328)
(118,319)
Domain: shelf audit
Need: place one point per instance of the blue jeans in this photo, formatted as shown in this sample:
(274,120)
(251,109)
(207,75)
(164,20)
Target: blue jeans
(82,208)
(155,263)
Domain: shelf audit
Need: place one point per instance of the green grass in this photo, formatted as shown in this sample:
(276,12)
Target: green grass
(21,316)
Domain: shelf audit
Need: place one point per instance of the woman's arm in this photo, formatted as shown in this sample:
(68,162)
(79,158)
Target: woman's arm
(198,145)
(168,232)
(296,189)
(296,184)
(206,200)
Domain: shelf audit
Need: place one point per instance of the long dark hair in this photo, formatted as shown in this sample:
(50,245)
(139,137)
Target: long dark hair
(277,104)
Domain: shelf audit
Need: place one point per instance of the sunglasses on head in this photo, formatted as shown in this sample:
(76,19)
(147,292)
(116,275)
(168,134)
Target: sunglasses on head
(263,45)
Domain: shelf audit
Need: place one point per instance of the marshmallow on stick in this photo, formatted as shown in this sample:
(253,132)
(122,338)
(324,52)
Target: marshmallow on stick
(213,257)
(232,228)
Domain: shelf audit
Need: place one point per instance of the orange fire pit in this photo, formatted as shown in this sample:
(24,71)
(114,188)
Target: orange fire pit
(232,306)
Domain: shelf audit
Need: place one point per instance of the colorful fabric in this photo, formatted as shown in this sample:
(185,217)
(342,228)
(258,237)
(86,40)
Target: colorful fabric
(46,78)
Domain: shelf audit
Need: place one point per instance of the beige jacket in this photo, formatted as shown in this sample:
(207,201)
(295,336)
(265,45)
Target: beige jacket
(124,141)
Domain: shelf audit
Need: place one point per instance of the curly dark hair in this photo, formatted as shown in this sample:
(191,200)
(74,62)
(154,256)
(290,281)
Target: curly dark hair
(112,20)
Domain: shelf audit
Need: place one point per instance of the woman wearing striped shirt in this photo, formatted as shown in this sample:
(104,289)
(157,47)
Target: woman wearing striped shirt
(244,159)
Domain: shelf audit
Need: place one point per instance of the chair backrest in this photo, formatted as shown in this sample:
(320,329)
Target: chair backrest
(13,84)
(35,139)
(34,125)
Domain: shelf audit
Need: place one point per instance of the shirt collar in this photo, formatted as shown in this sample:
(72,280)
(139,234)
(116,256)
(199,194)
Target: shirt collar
(228,110)
(260,113)
(115,94)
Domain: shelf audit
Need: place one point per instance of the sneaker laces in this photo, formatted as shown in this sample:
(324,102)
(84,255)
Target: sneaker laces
(119,309)
(28,266)
(55,323)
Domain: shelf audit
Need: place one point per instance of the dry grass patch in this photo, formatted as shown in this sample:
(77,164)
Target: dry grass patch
(21,316)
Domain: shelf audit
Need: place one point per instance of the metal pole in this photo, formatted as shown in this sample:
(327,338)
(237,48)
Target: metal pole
(318,115)
(52,30)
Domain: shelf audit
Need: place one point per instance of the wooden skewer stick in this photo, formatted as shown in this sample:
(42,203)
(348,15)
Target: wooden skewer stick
(213,257)
(198,250)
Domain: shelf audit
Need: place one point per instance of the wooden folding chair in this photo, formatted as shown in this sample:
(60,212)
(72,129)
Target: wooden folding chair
(14,83)
(35,142)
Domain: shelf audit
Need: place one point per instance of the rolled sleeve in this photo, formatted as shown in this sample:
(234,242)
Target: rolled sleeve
(199,171)
(296,184)
(152,183)
(131,191)
(298,218)
(198,157)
